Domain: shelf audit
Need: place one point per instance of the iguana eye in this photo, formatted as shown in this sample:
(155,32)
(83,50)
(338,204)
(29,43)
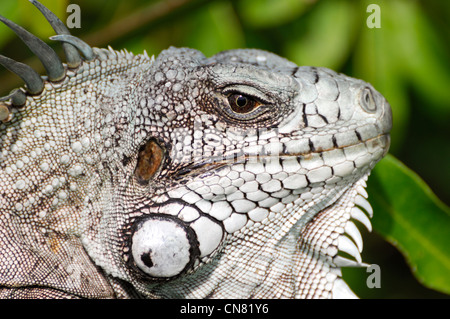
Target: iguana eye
(240,103)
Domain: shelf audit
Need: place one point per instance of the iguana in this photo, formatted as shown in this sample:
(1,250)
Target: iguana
(234,176)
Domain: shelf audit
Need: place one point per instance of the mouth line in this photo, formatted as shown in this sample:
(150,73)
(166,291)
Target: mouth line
(336,147)
(216,162)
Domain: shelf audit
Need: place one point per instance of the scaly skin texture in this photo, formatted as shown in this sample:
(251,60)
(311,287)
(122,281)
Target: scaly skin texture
(238,176)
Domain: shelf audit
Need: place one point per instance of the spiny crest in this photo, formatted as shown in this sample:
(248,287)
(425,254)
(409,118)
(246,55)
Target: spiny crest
(55,69)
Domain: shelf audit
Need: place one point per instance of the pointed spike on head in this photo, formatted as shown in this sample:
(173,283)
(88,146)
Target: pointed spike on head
(82,46)
(18,98)
(73,58)
(48,57)
(33,81)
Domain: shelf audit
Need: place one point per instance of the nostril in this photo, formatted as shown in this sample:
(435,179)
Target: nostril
(367,101)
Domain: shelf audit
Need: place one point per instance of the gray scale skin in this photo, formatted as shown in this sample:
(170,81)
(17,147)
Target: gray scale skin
(252,205)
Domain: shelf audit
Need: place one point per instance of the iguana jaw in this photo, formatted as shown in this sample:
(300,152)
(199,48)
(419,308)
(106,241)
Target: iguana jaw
(378,145)
(277,264)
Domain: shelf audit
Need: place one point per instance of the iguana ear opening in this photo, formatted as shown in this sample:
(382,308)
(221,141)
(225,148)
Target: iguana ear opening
(149,160)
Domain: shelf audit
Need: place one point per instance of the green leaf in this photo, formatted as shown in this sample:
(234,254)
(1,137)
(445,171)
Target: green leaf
(271,13)
(8,9)
(326,36)
(412,218)
(421,55)
(214,29)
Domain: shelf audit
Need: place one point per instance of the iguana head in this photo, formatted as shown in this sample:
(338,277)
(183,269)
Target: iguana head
(230,176)
(230,159)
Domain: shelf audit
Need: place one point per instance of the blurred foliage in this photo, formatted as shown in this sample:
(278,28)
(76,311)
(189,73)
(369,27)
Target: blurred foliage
(407,60)
(411,217)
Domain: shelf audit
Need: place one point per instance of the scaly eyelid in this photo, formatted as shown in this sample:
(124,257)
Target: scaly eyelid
(249,91)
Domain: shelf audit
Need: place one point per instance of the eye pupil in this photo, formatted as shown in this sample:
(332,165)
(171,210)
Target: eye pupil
(240,103)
